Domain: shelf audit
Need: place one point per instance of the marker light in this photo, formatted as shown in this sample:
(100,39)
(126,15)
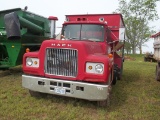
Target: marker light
(110,55)
(27,50)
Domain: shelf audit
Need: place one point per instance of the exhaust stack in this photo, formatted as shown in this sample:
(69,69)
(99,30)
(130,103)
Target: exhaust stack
(53,26)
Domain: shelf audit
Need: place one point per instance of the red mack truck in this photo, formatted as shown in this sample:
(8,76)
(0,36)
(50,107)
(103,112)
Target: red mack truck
(83,63)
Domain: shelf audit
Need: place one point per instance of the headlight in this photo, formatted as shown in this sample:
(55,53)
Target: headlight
(29,61)
(96,68)
(32,62)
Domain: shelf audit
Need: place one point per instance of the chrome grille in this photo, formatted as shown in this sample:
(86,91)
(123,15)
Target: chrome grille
(61,62)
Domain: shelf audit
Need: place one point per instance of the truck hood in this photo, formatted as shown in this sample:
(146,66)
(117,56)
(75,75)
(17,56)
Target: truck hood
(69,57)
(87,47)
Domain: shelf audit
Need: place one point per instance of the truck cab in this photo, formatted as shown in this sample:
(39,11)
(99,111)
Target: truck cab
(83,63)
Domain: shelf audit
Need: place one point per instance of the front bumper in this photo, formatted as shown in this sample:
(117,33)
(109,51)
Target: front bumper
(88,91)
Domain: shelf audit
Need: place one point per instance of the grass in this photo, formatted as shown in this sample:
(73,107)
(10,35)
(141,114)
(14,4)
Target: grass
(135,97)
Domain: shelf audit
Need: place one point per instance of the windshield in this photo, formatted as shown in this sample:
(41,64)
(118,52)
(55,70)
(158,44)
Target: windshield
(83,32)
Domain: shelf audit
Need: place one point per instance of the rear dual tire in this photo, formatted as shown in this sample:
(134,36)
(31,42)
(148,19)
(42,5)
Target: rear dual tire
(115,77)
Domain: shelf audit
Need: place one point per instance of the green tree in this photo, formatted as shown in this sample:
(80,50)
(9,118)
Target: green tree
(137,14)
(127,47)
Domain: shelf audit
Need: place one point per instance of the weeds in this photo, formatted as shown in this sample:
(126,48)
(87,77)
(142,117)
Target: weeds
(135,97)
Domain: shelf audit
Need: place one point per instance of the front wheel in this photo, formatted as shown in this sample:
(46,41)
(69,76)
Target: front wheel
(106,102)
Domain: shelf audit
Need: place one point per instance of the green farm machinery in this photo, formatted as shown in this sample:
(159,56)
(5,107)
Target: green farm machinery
(20,31)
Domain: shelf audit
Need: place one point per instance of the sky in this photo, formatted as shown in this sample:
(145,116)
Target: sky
(60,8)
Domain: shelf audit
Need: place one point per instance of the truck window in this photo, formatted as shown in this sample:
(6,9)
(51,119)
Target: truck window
(84,32)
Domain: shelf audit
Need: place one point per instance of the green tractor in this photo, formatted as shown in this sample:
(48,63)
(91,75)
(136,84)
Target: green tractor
(20,31)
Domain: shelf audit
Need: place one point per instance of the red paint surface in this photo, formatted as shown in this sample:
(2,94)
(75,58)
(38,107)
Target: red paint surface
(87,51)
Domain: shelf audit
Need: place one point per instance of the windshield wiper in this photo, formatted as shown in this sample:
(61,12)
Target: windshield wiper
(73,38)
(87,40)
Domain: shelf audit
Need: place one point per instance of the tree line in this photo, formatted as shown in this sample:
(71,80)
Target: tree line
(137,15)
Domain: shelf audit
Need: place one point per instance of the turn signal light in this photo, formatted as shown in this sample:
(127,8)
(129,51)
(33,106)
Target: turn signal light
(35,62)
(90,67)
(110,55)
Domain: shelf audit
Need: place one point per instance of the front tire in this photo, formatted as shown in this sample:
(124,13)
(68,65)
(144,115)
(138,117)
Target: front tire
(106,102)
